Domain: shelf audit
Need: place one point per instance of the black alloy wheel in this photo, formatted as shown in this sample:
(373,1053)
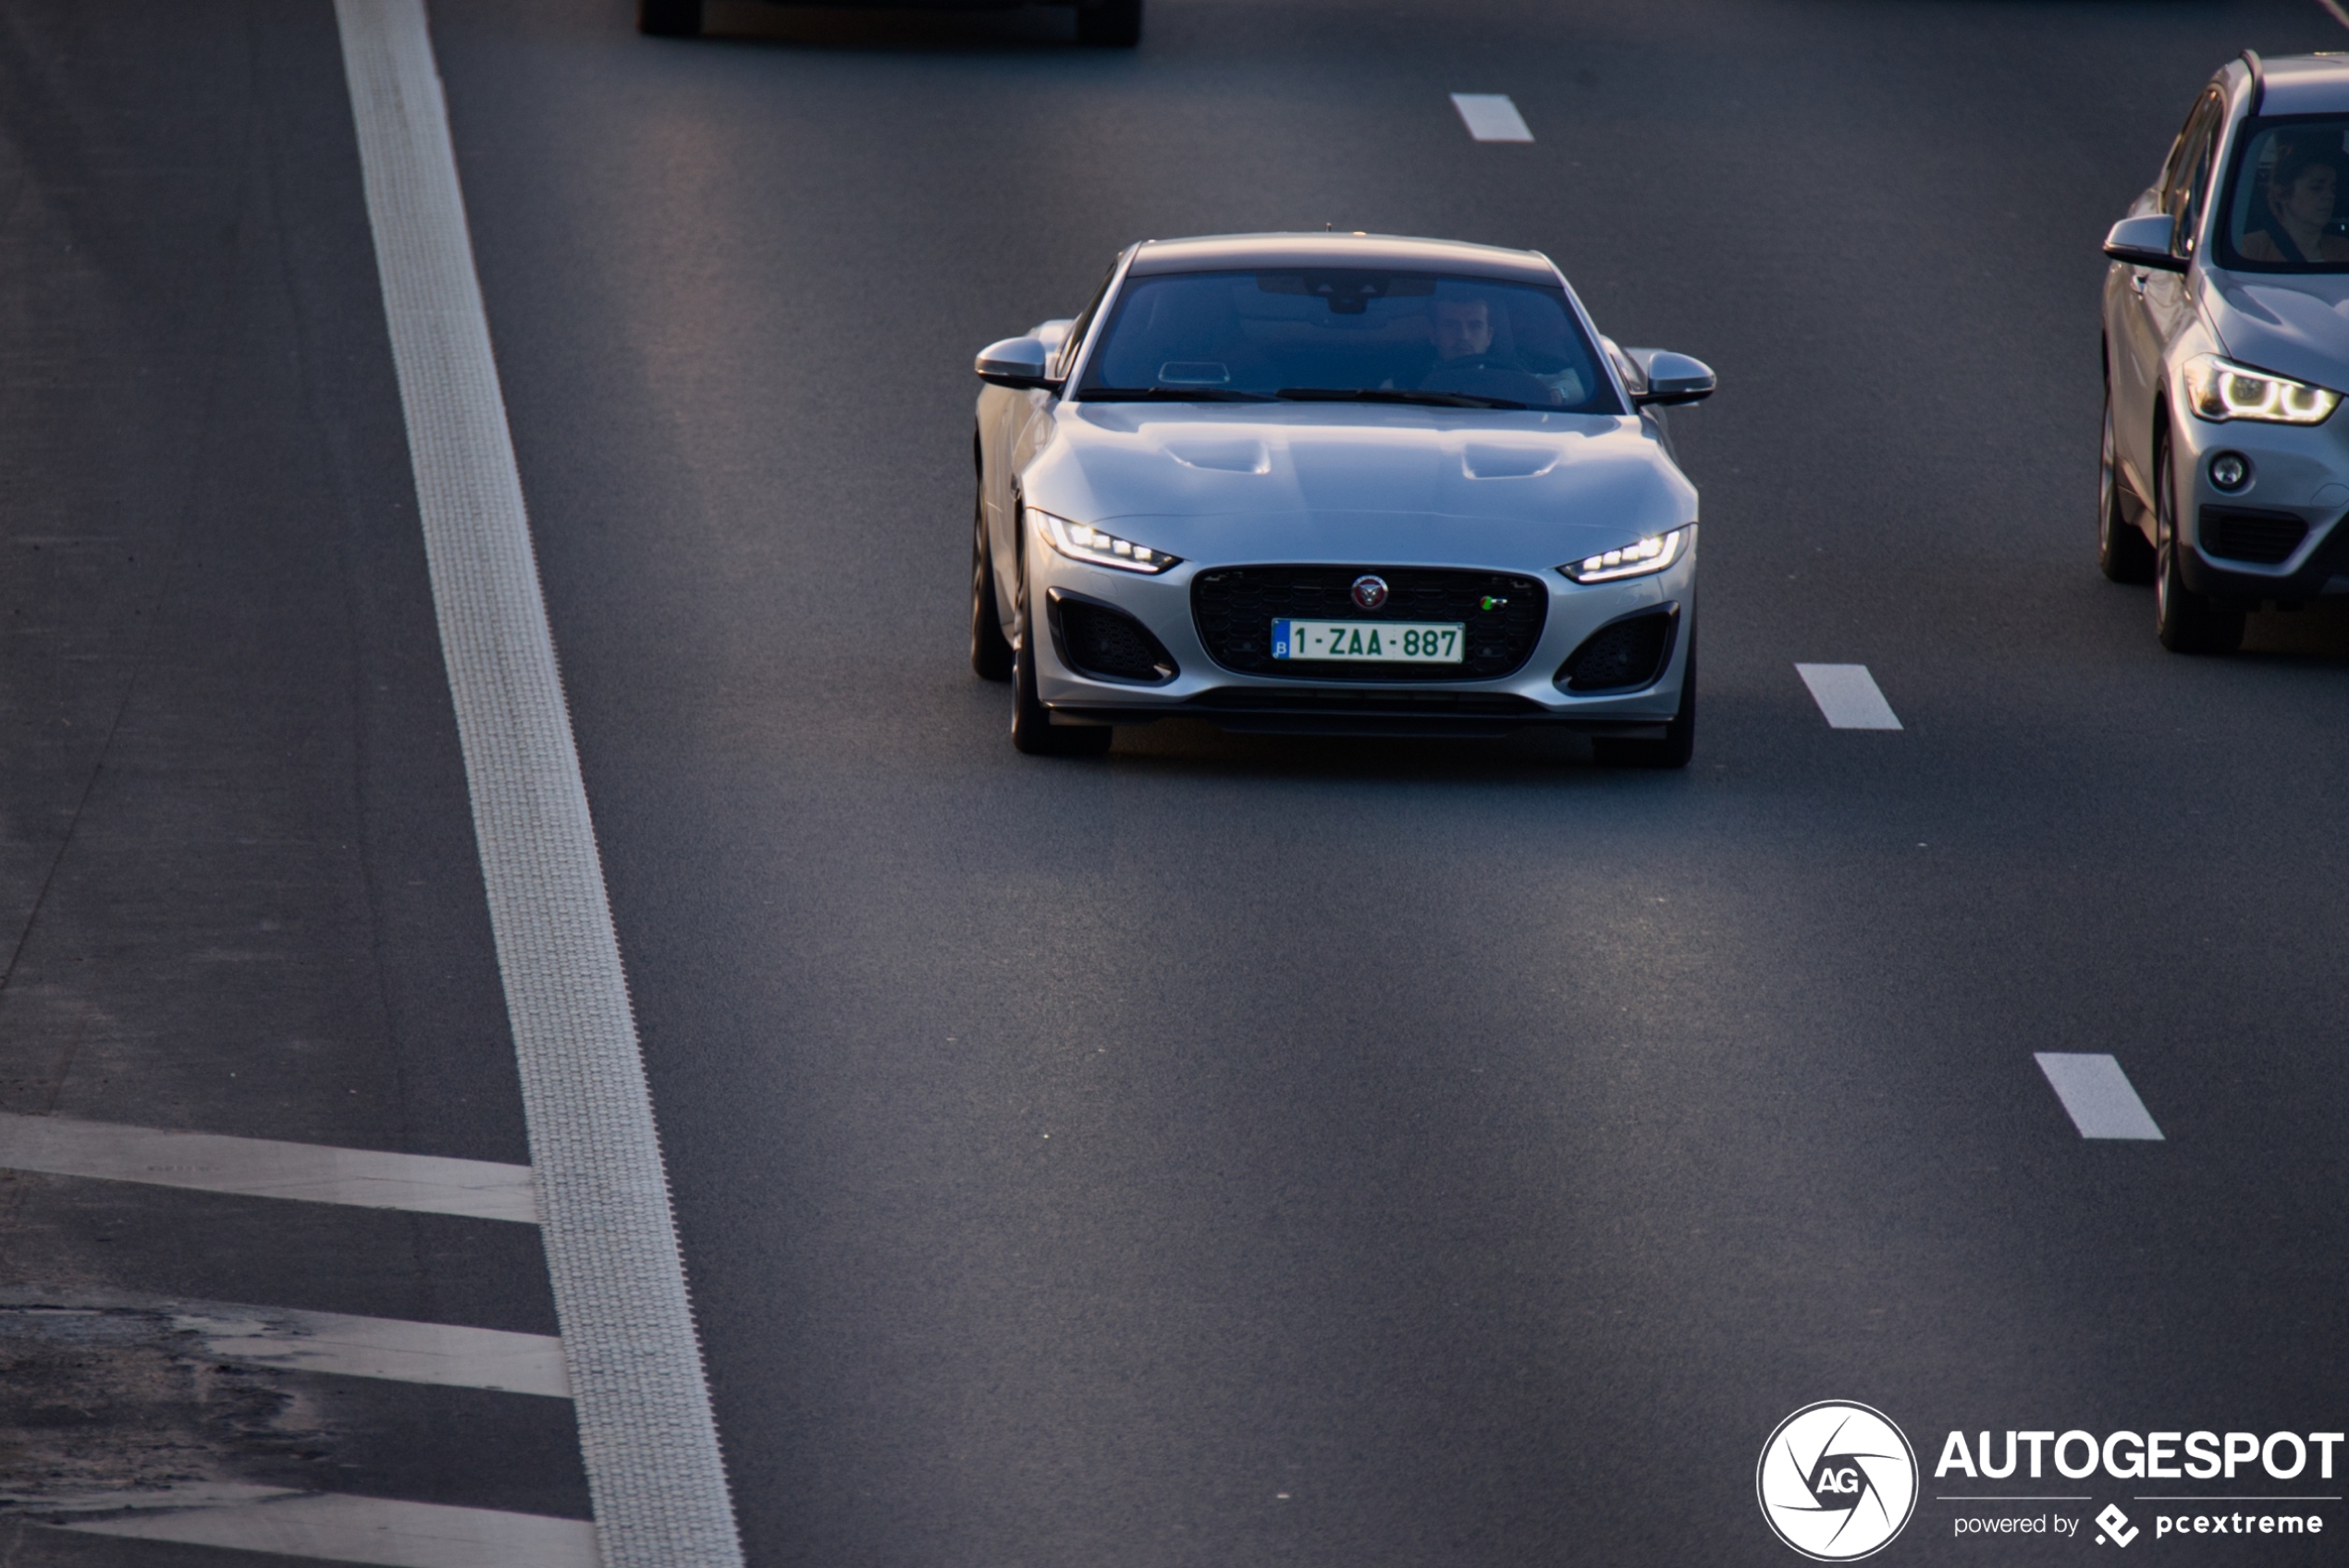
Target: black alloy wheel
(2186,621)
(991,650)
(668,18)
(1679,736)
(2122,554)
(1114,24)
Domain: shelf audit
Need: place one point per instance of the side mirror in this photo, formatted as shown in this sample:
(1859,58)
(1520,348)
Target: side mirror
(1017,363)
(1670,378)
(2144,242)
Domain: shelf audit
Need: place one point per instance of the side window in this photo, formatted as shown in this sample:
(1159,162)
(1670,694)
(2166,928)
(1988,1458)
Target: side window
(2190,182)
(2170,164)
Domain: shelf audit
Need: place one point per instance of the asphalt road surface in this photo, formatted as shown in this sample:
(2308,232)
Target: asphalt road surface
(1239,1151)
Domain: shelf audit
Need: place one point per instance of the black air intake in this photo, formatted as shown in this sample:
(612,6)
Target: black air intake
(2265,538)
(1107,643)
(1622,656)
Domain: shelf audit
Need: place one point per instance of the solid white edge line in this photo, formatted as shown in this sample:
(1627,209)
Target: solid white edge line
(339,1527)
(268,1168)
(647,1436)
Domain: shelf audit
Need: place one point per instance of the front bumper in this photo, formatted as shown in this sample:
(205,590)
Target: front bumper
(2300,474)
(1232,700)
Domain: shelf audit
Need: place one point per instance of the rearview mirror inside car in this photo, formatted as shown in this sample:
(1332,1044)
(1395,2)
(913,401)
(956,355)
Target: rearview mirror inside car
(2144,242)
(1666,377)
(1017,361)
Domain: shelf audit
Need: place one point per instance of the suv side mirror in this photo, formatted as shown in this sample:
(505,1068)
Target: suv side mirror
(2144,242)
(1017,362)
(1667,378)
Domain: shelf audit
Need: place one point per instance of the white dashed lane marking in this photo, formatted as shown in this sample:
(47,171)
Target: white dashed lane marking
(332,1527)
(1491,117)
(1847,693)
(2097,1095)
(266,1167)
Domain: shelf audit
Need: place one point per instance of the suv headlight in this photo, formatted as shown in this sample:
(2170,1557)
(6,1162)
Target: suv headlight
(2220,390)
(1636,559)
(1079,541)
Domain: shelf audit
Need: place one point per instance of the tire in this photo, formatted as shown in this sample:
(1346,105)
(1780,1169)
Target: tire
(2184,620)
(1679,736)
(2122,554)
(668,18)
(991,650)
(1033,730)
(1114,24)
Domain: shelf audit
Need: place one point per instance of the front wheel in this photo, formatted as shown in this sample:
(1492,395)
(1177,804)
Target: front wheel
(1033,730)
(1679,736)
(991,650)
(2122,552)
(2186,621)
(1116,24)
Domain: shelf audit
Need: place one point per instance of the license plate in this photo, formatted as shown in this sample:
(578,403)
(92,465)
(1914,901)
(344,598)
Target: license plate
(1381,642)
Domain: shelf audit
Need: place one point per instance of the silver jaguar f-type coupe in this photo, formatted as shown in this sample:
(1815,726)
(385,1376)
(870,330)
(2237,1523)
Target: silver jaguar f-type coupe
(1344,483)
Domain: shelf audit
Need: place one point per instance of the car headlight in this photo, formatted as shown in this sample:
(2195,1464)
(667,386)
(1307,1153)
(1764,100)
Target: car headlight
(1079,541)
(1636,559)
(2220,390)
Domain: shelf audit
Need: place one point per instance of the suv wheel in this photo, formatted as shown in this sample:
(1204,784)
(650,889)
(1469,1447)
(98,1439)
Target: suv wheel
(2121,551)
(2184,620)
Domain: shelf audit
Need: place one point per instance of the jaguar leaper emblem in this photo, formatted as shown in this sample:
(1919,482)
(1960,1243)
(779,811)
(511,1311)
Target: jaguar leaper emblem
(1370,593)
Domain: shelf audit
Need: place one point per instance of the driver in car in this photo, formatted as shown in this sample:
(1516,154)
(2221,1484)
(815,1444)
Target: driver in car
(1463,329)
(2302,192)
(1466,359)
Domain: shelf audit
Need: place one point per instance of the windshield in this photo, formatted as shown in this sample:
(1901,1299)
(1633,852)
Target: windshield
(1349,335)
(2284,208)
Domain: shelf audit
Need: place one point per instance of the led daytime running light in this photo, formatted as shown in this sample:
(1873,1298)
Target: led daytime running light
(1080,541)
(2220,390)
(1638,559)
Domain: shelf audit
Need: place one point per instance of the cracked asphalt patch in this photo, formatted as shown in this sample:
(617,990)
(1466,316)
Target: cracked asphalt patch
(117,1401)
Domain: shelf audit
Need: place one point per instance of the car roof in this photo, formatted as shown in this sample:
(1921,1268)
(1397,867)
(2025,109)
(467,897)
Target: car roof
(1213,252)
(2304,84)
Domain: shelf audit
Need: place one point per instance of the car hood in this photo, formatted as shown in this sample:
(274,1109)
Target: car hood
(2294,326)
(1212,482)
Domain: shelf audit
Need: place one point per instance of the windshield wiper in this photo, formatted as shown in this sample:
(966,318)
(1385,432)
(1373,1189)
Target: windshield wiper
(1386,395)
(1171,395)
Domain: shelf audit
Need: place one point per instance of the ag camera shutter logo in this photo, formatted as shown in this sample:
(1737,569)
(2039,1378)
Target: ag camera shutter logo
(1837,1481)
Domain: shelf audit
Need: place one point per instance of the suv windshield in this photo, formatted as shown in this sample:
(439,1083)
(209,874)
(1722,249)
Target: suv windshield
(1347,335)
(2285,210)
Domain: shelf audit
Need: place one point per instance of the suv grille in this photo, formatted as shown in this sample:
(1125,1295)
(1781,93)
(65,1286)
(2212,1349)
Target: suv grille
(1235,609)
(2265,538)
